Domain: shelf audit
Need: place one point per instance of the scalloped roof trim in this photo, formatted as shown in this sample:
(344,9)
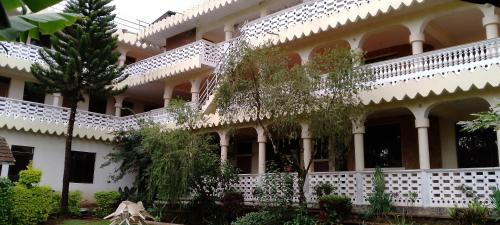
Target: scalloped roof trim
(15,63)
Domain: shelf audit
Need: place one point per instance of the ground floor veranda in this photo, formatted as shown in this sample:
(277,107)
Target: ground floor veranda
(420,146)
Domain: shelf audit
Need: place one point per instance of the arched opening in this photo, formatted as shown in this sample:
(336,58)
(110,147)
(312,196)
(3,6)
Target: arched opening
(294,60)
(182,92)
(461,149)
(389,43)
(454,28)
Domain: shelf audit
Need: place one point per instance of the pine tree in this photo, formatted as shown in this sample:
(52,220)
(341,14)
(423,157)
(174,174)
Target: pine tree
(83,61)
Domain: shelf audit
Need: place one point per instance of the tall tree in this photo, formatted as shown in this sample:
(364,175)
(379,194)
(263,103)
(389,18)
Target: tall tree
(83,61)
(261,83)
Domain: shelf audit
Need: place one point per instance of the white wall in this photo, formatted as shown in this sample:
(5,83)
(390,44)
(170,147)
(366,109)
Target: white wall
(49,157)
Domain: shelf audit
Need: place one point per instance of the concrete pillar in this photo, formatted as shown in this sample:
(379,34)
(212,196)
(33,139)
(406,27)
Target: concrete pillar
(167,94)
(195,90)
(422,124)
(57,99)
(358,129)
(490,21)
(16,89)
(307,146)
(110,106)
(5,170)
(417,43)
(224,145)
(118,105)
(448,143)
(123,57)
(261,139)
(84,105)
(228,31)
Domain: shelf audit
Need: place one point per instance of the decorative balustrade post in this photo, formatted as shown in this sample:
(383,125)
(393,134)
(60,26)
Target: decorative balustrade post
(490,21)
(426,188)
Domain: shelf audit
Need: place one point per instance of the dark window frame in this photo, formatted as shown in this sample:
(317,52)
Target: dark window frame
(79,167)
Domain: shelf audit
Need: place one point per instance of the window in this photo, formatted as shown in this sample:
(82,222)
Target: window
(321,149)
(476,149)
(33,92)
(383,146)
(82,167)
(4,86)
(244,157)
(23,156)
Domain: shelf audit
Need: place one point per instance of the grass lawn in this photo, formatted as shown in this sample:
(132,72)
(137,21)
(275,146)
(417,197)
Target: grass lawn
(85,222)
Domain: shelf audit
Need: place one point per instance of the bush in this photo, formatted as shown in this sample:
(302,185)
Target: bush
(380,201)
(232,203)
(302,217)
(106,202)
(74,203)
(323,189)
(6,199)
(495,198)
(259,218)
(474,214)
(29,177)
(203,210)
(334,208)
(32,205)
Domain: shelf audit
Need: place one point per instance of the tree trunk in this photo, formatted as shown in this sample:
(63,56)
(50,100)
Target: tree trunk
(301,180)
(67,158)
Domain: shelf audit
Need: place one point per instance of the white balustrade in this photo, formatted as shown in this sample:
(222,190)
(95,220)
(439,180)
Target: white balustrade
(21,51)
(442,187)
(302,13)
(158,116)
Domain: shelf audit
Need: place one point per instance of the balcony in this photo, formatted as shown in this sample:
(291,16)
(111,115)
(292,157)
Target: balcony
(41,117)
(434,188)
(196,55)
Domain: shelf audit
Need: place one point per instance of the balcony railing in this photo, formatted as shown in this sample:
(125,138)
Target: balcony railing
(433,188)
(305,12)
(55,115)
(205,50)
(21,51)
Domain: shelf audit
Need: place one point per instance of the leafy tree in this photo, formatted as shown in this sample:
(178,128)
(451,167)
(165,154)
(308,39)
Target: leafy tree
(83,61)
(483,120)
(31,24)
(261,83)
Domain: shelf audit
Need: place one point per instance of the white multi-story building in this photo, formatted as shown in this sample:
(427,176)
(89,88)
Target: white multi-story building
(434,61)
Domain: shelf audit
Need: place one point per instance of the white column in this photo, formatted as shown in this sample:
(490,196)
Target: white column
(417,43)
(167,94)
(228,31)
(5,170)
(195,90)
(57,99)
(118,105)
(261,139)
(16,89)
(422,125)
(224,145)
(307,146)
(359,144)
(490,21)
(123,57)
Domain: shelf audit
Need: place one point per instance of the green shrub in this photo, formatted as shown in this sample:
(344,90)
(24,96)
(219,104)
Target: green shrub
(74,203)
(30,176)
(259,218)
(495,199)
(380,201)
(323,189)
(334,208)
(475,214)
(32,205)
(6,199)
(106,202)
(302,217)
(232,205)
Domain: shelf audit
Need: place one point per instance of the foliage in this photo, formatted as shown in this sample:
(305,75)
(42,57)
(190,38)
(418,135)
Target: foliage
(334,208)
(30,176)
(82,61)
(107,201)
(380,201)
(232,205)
(32,205)
(6,198)
(33,24)
(128,194)
(495,198)
(203,210)
(483,120)
(323,189)
(74,203)
(401,220)
(261,82)
(276,191)
(475,214)
(302,217)
(259,218)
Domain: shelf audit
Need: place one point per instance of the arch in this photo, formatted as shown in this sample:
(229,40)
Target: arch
(387,43)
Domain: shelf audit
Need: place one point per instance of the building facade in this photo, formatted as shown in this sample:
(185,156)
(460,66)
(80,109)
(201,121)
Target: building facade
(435,62)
